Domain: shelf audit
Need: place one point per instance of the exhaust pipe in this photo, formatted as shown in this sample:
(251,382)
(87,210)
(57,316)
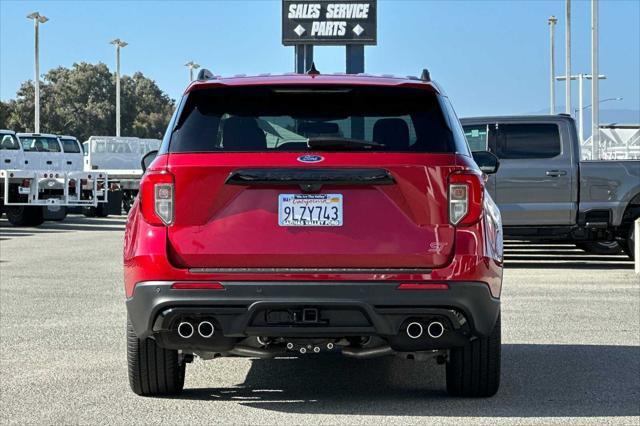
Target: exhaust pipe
(185,330)
(363,353)
(435,329)
(414,330)
(206,329)
(249,351)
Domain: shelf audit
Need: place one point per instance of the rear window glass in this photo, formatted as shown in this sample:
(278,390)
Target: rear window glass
(528,141)
(9,142)
(273,118)
(477,137)
(39,144)
(70,146)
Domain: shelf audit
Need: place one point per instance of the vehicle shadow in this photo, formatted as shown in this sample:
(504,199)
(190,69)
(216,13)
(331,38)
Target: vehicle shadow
(537,381)
(545,264)
(70,224)
(545,256)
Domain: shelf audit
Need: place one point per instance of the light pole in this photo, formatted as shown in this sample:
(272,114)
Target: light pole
(579,111)
(595,87)
(552,30)
(118,44)
(37,20)
(192,66)
(603,101)
(567,63)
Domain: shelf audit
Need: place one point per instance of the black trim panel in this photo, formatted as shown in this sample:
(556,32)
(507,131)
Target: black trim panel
(384,305)
(316,176)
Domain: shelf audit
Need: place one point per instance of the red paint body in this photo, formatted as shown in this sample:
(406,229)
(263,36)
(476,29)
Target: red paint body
(405,225)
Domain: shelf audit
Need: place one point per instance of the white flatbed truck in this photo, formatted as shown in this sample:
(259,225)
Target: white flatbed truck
(35,174)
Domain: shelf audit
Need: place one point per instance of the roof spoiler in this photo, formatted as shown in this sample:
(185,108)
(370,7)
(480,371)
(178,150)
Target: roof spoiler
(205,74)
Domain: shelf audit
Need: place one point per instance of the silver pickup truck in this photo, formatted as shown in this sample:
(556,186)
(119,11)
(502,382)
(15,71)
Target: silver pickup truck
(545,192)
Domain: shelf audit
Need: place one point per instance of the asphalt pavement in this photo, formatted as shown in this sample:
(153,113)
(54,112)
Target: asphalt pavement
(571,348)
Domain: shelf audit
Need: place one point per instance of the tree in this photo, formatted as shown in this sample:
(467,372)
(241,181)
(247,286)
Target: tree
(5,109)
(81,101)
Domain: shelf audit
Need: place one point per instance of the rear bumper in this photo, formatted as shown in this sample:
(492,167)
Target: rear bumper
(364,308)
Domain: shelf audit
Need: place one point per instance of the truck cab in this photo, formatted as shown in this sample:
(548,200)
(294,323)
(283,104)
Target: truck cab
(536,184)
(41,151)
(72,153)
(11,154)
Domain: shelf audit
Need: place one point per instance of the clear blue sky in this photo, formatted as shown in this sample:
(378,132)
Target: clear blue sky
(490,56)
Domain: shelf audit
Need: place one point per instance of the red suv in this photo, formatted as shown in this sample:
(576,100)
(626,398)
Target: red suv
(302,214)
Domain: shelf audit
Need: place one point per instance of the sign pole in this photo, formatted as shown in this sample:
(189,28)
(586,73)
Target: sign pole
(299,59)
(355,65)
(355,58)
(308,56)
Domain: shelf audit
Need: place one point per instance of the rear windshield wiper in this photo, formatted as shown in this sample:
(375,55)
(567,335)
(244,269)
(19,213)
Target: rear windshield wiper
(334,142)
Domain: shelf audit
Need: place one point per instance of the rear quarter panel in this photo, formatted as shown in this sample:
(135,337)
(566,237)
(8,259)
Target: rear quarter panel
(609,184)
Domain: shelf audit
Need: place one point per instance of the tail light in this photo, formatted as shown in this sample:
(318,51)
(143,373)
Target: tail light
(466,193)
(157,197)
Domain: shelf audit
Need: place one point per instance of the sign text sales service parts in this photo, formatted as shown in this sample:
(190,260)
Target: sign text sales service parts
(328,22)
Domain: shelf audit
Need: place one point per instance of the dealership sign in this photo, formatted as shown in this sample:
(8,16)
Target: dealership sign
(328,22)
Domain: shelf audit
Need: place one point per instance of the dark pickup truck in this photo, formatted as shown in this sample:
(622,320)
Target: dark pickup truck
(545,192)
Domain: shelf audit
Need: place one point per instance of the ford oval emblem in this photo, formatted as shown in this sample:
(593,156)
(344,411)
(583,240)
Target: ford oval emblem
(310,158)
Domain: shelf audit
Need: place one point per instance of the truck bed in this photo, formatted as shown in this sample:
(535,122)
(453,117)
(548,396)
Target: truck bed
(608,184)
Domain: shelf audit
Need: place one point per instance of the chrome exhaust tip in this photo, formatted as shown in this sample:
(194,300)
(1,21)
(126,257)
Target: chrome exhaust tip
(185,330)
(435,329)
(414,330)
(206,329)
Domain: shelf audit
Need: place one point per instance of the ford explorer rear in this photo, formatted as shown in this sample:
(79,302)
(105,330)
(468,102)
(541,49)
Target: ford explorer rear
(306,214)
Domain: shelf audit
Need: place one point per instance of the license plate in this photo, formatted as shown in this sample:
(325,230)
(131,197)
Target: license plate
(310,209)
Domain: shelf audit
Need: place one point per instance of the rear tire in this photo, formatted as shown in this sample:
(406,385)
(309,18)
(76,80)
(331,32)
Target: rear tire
(474,369)
(25,215)
(102,210)
(600,247)
(99,211)
(153,370)
(630,243)
(89,211)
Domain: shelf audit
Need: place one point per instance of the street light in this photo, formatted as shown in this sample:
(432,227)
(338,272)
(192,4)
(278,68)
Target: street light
(602,101)
(192,66)
(118,44)
(580,77)
(578,111)
(552,30)
(37,20)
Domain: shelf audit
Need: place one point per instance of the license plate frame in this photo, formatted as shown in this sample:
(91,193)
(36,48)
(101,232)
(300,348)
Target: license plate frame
(310,210)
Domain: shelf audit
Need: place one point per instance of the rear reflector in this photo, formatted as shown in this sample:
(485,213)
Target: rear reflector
(423,286)
(197,285)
